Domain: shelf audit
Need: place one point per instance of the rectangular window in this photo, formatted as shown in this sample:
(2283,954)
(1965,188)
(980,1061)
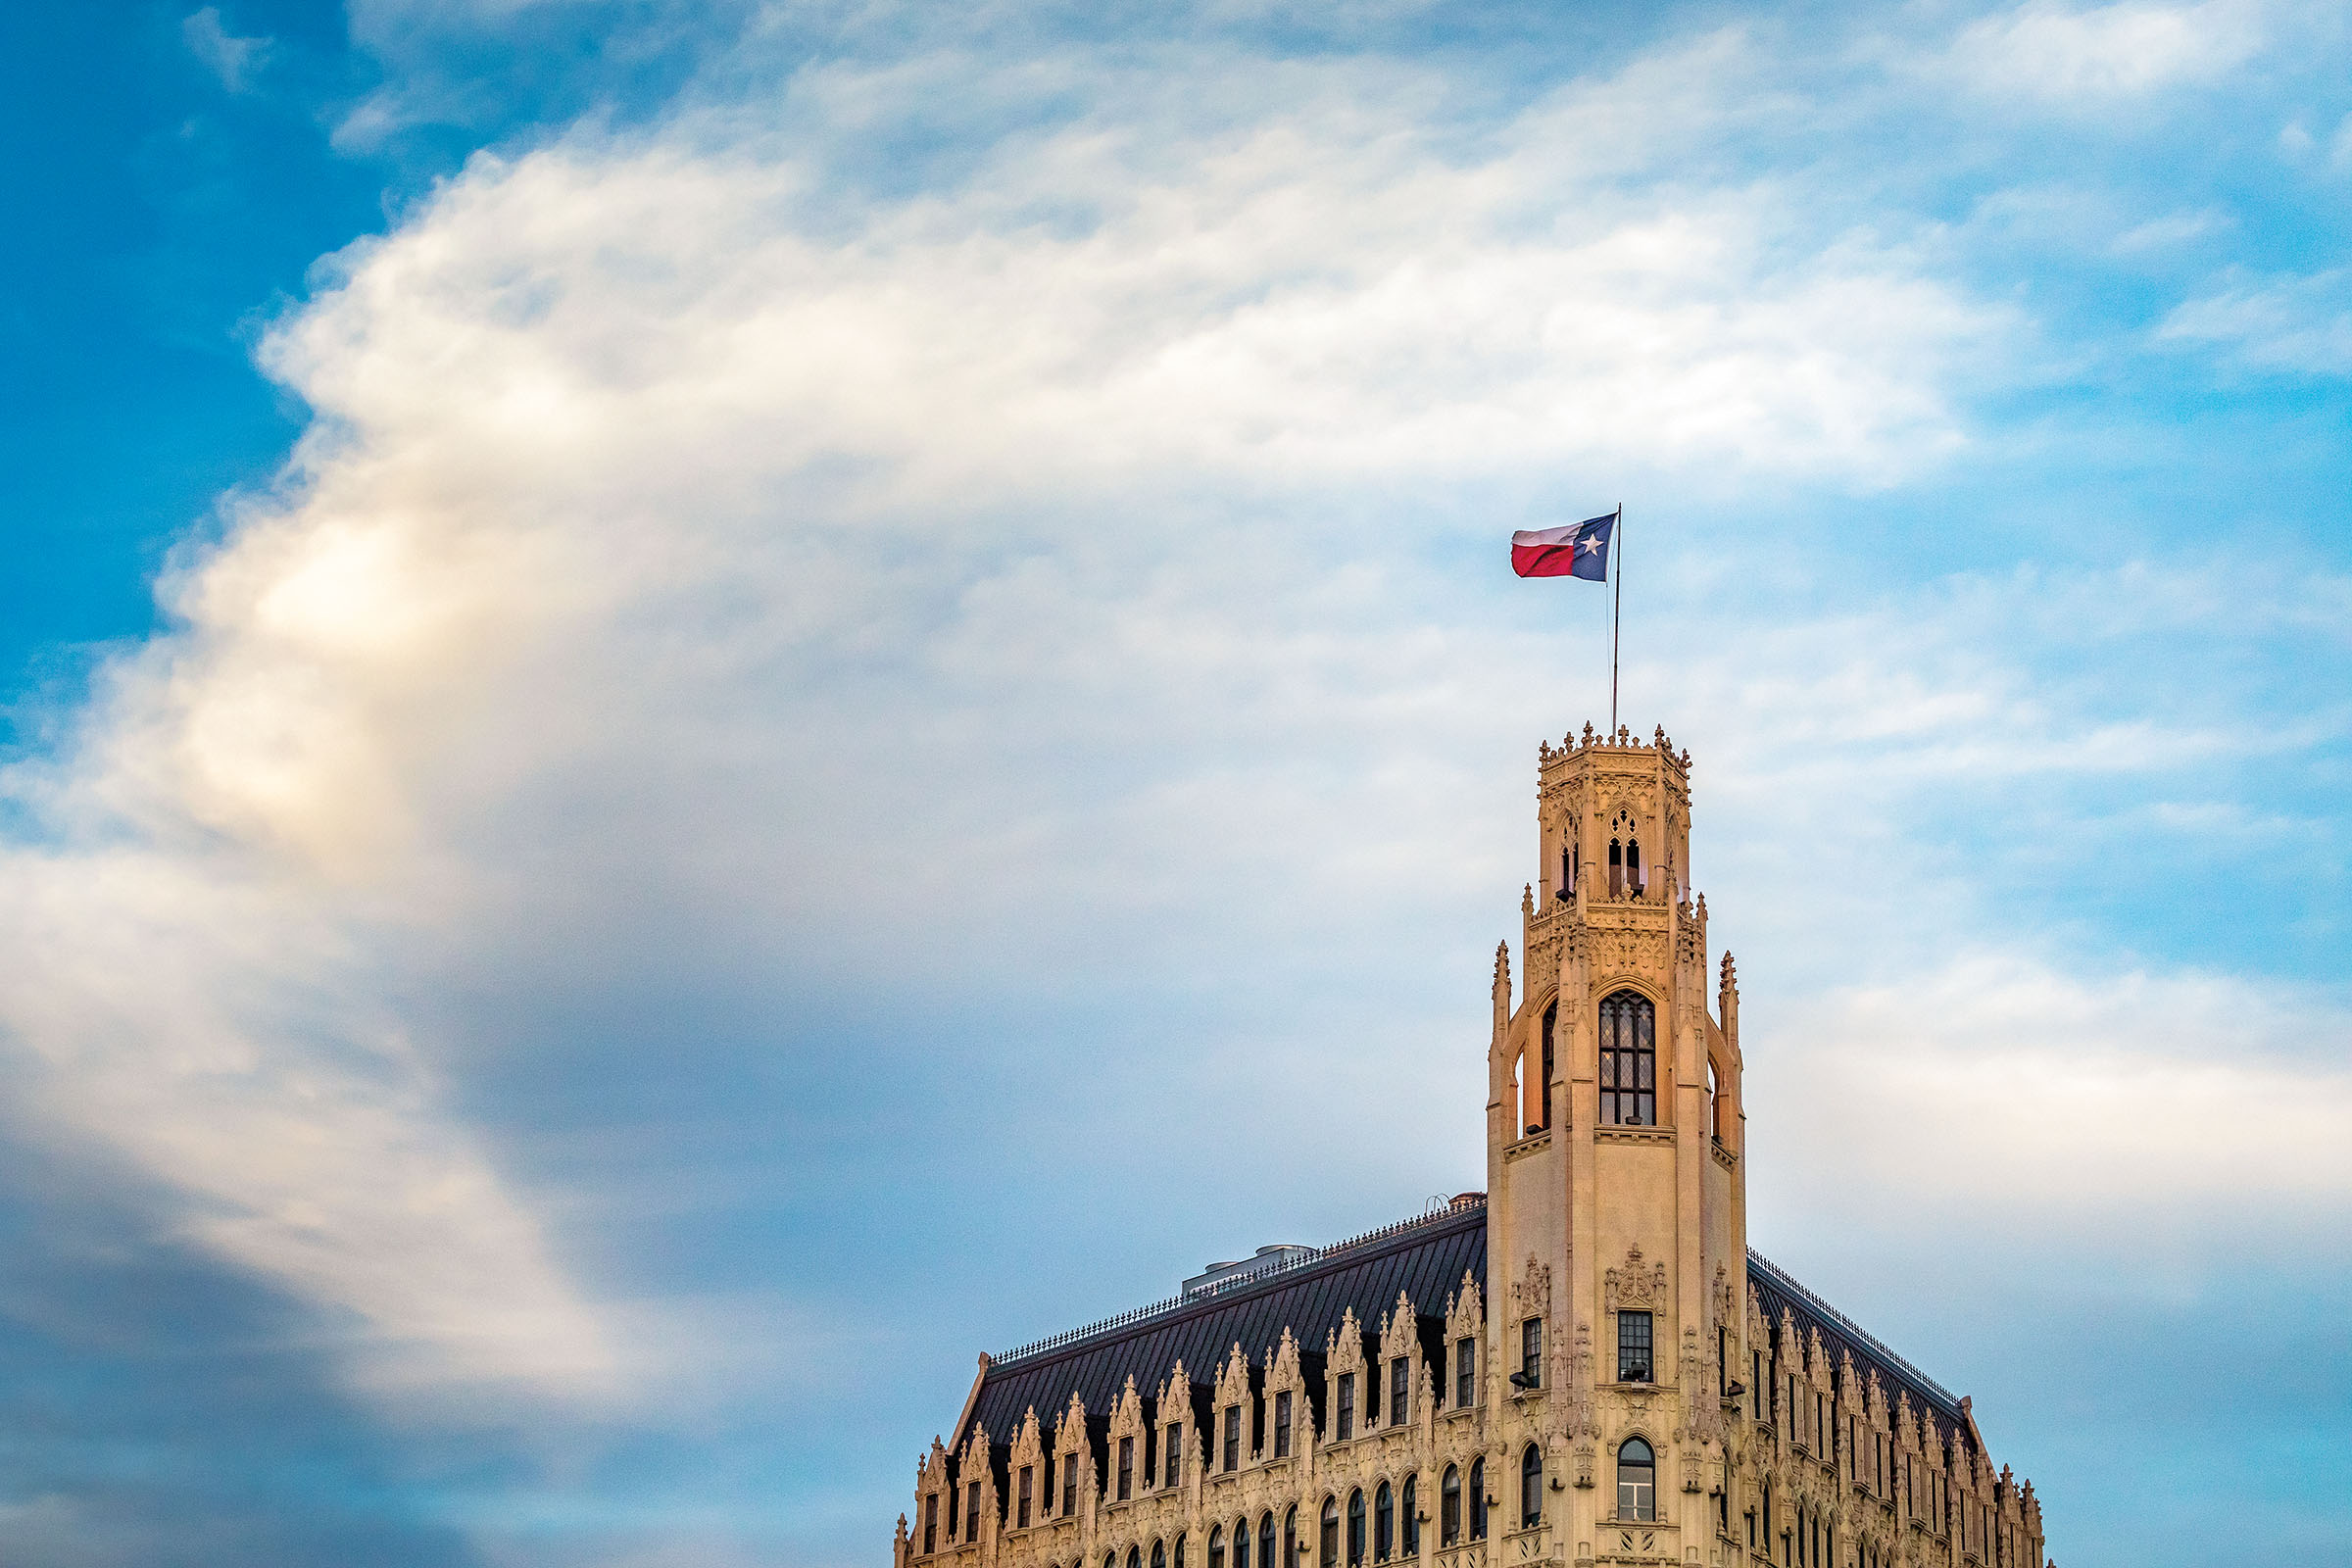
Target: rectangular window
(1282,1425)
(1633,1348)
(930,1523)
(971,1512)
(1021,1517)
(1465,1373)
(1346,1406)
(1372,1395)
(1069,1484)
(1399,1373)
(1233,1437)
(1171,1470)
(1531,1353)
(1126,1468)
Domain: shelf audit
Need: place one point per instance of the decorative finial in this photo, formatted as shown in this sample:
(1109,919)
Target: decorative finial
(1527,900)
(1587,732)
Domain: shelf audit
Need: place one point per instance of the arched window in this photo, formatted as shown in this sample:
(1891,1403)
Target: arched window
(1110,1559)
(1477,1499)
(1241,1541)
(1159,1554)
(1449,1507)
(1530,1487)
(1355,1530)
(1405,1511)
(1552,1017)
(1384,1524)
(1178,1562)
(1637,1481)
(1628,1060)
(1290,1538)
(1714,1104)
(1265,1543)
(1135,1557)
(1216,1547)
(1329,1557)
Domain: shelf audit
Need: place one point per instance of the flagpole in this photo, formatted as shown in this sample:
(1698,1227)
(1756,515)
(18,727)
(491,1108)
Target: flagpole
(1617,613)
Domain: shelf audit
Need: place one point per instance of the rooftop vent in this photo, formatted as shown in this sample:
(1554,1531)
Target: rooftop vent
(1217,1275)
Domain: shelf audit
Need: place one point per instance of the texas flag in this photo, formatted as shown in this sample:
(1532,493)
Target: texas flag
(1579,550)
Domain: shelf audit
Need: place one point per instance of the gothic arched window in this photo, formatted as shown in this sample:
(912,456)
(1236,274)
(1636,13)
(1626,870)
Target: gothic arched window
(1477,1499)
(1628,1060)
(1552,1018)
(1530,1487)
(1355,1529)
(1714,1103)
(1384,1523)
(1405,1506)
(1241,1541)
(1449,1507)
(1159,1554)
(1637,1481)
(1216,1547)
(1330,1556)
(1265,1543)
(1290,1537)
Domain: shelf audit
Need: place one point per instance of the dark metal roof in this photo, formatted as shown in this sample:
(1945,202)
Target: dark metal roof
(1423,1259)
(1777,1292)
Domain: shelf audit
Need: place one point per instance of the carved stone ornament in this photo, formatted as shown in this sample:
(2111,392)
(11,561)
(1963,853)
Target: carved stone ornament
(1636,1286)
(1531,1294)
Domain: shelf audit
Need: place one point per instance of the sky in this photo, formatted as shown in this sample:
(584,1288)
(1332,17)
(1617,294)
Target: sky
(707,705)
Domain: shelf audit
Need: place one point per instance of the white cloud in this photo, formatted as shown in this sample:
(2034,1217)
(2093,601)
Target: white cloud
(234,59)
(1998,1084)
(2064,54)
(2282,323)
(644,473)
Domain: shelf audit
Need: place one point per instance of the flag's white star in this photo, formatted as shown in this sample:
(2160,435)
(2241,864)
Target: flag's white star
(1591,542)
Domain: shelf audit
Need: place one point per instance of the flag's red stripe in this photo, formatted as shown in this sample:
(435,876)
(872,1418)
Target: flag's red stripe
(1543,560)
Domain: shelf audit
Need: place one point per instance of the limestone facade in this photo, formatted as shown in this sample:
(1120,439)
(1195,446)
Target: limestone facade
(1584,1364)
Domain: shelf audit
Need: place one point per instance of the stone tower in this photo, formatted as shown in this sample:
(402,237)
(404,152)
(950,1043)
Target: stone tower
(1616,1215)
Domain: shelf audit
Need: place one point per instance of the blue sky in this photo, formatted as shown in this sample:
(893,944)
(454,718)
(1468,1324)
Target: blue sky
(712,705)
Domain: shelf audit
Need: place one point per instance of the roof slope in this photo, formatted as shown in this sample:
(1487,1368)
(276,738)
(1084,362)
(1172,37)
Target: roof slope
(1775,1292)
(1425,1260)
